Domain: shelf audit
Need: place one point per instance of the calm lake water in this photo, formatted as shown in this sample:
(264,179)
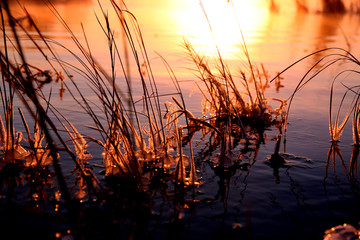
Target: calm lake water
(311,193)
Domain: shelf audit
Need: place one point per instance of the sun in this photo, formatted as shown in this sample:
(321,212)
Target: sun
(221,23)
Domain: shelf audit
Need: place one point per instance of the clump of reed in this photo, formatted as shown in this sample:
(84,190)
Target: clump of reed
(140,144)
(234,105)
(36,161)
(134,136)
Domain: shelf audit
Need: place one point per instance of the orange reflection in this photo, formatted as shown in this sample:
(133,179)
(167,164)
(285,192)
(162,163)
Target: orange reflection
(227,20)
(44,17)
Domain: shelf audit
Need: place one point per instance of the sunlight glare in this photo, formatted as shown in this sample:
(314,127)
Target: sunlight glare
(226,20)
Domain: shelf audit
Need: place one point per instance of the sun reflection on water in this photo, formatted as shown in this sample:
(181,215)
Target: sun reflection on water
(228,20)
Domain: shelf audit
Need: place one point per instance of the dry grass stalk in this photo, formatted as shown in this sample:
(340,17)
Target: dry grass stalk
(328,57)
(335,128)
